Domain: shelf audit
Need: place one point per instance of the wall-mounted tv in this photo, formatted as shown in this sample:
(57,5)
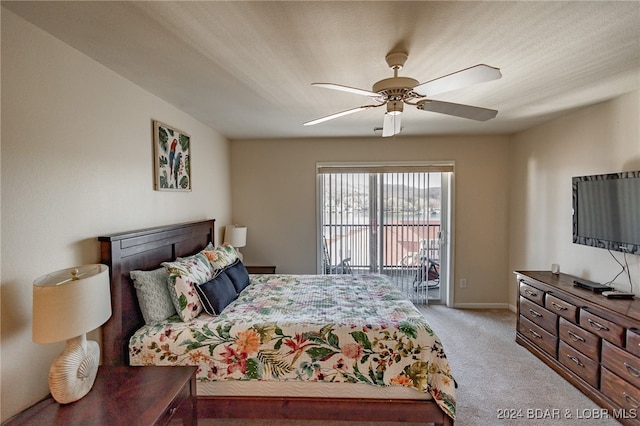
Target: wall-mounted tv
(606,211)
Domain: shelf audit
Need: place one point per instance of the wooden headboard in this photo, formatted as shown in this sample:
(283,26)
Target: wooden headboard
(144,249)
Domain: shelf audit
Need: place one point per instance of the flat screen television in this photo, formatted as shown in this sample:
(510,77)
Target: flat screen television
(606,211)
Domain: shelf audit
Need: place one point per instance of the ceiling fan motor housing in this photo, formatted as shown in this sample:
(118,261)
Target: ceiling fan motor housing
(395,88)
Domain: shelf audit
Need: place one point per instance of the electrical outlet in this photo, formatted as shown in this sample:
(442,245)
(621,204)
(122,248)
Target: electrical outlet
(463,283)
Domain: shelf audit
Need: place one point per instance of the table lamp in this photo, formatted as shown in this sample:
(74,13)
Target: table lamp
(236,236)
(66,305)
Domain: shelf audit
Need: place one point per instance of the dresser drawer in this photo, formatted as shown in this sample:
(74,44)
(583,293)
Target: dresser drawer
(633,341)
(539,315)
(561,307)
(177,408)
(579,363)
(580,339)
(542,338)
(531,293)
(619,391)
(602,327)
(180,410)
(621,362)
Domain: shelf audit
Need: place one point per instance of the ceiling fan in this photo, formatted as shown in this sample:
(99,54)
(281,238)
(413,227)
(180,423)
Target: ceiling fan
(396,91)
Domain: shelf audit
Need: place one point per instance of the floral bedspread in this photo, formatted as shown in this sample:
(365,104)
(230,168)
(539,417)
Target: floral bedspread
(332,328)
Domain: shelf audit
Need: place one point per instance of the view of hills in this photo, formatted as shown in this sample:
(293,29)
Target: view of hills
(395,198)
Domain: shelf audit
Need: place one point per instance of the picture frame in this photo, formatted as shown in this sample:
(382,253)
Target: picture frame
(172,152)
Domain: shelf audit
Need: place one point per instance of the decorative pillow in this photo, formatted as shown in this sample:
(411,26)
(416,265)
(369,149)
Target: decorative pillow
(216,294)
(209,247)
(183,276)
(238,275)
(153,294)
(221,256)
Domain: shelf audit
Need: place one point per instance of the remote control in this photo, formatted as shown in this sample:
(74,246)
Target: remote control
(617,295)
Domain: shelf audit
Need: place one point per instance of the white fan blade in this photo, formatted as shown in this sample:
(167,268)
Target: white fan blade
(458,110)
(391,124)
(337,114)
(459,79)
(347,89)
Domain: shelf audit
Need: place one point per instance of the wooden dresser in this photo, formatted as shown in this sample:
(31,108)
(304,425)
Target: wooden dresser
(591,341)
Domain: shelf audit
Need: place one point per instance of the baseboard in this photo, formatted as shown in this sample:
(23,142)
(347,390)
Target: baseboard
(483,306)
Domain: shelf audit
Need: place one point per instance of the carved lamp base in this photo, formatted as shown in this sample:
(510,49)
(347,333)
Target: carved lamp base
(72,374)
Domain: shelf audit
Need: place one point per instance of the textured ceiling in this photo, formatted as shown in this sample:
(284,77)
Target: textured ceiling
(245,68)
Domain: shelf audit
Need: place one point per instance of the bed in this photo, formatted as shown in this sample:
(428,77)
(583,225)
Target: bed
(325,353)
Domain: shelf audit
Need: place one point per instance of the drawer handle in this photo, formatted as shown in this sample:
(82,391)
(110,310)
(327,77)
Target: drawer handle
(559,307)
(597,325)
(632,400)
(534,313)
(634,371)
(530,293)
(172,410)
(576,360)
(534,334)
(575,337)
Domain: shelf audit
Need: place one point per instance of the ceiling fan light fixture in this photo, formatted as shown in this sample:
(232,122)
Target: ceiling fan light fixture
(395,107)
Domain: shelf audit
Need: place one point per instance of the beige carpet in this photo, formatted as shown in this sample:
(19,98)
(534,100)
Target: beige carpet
(495,376)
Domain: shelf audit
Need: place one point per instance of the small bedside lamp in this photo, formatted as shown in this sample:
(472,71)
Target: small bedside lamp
(66,305)
(236,236)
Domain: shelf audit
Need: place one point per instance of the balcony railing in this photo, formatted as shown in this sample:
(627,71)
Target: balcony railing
(402,251)
(400,246)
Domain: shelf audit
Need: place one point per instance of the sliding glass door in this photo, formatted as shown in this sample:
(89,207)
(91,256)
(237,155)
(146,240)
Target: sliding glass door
(387,218)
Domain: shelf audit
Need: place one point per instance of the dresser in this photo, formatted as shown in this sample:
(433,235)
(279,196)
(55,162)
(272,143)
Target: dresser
(591,341)
(124,396)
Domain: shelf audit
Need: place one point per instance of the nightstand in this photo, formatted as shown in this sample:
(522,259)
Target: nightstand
(124,396)
(261,269)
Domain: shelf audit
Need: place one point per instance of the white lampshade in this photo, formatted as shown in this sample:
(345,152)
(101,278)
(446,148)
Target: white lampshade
(235,235)
(66,307)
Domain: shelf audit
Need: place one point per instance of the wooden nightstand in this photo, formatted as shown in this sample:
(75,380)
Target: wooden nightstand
(124,396)
(261,269)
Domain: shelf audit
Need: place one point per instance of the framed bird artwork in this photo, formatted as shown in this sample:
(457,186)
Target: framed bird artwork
(172,152)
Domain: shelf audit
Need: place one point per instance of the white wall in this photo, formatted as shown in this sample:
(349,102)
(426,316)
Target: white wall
(604,138)
(274,195)
(77,163)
